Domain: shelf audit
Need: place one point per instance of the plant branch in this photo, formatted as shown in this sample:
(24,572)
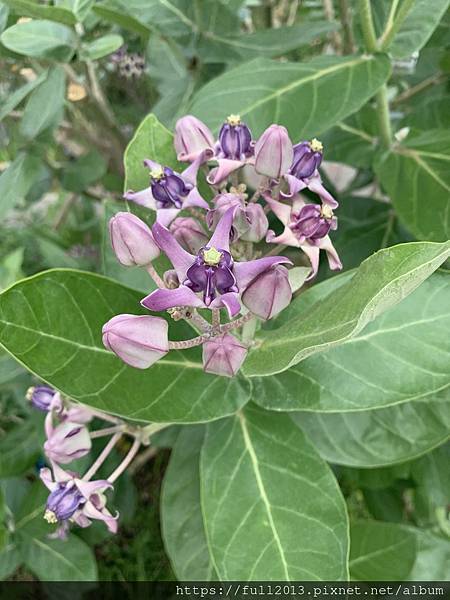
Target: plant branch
(368,29)
(394,24)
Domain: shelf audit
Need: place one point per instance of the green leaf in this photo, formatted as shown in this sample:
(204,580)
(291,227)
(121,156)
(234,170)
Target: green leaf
(9,368)
(45,105)
(271,506)
(380,282)
(4,14)
(18,95)
(151,140)
(41,39)
(52,324)
(263,91)
(432,484)
(17,179)
(418,26)
(10,560)
(81,8)
(417,170)
(381,551)
(19,449)
(27,8)
(182,524)
(59,560)
(113,13)
(375,438)
(432,559)
(84,171)
(407,349)
(101,47)
(11,268)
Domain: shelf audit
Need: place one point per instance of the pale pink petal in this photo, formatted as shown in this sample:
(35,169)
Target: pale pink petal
(281,210)
(223,170)
(143,198)
(194,199)
(164,299)
(165,216)
(230,301)
(246,272)
(221,236)
(315,185)
(178,256)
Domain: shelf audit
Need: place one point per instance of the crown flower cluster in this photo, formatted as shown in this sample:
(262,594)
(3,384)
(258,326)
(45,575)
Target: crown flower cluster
(76,499)
(222,261)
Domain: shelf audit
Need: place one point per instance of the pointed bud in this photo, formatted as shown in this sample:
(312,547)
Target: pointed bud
(223,355)
(191,138)
(44,398)
(257,223)
(269,293)
(138,340)
(67,441)
(189,233)
(273,152)
(132,240)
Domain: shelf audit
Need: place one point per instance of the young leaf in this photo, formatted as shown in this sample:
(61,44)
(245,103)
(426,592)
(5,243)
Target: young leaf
(112,12)
(181,513)
(45,105)
(18,95)
(417,27)
(381,551)
(416,177)
(81,8)
(380,282)
(41,39)
(271,506)
(407,349)
(375,438)
(263,91)
(52,323)
(101,46)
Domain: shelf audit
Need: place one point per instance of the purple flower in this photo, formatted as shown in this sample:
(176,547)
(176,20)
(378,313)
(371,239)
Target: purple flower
(44,398)
(189,233)
(212,279)
(223,355)
(132,240)
(303,172)
(67,441)
(235,140)
(169,191)
(138,340)
(250,222)
(301,221)
(192,137)
(76,500)
(273,152)
(269,293)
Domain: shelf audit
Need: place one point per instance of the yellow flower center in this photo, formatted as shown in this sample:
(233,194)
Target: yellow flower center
(326,212)
(212,256)
(157,174)
(30,392)
(234,120)
(316,145)
(50,517)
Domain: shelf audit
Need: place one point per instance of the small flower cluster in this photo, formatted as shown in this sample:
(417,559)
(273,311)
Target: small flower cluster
(211,246)
(74,498)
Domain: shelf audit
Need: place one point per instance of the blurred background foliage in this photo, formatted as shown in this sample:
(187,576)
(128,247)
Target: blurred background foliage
(78,76)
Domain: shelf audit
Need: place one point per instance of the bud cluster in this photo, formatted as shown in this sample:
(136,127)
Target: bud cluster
(218,249)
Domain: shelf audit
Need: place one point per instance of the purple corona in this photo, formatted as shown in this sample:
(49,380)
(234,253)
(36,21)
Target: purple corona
(235,139)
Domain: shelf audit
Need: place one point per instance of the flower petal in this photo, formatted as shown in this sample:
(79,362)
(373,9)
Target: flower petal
(221,236)
(164,299)
(190,174)
(165,216)
(91,512)
(87,488)
(315,185)
(282,211)
(312,252)
(287,238)
(224,168)
(295,186)
(230,301)
(245,272)
(46,477)
(180,259)
(144,197)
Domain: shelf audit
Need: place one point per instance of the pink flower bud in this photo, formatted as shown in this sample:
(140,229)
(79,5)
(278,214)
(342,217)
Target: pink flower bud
(269,293)
(257,223)
(66,441)
(223,355)
(132,240)
(191,138)
(138,340)
(273,152)
(224,202)
(189,233)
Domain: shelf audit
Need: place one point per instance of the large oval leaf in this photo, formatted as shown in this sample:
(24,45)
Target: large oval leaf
(416,176)
(407,349)
(182,524)
(380,282)
(52,324)
(43,39)
(375,438)
(264,91)
(271,506)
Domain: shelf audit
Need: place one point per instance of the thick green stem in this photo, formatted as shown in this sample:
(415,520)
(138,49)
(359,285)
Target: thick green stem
(384,119)
(370,41)
(370,38)
(394,25)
